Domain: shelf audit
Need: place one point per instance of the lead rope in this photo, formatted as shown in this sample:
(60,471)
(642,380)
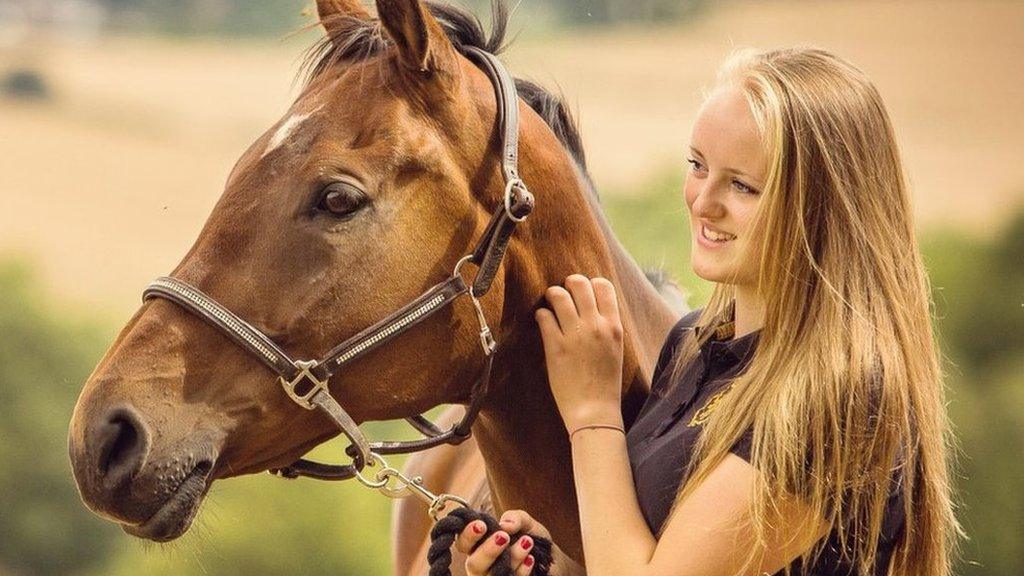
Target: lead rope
(447,529)
(393,484)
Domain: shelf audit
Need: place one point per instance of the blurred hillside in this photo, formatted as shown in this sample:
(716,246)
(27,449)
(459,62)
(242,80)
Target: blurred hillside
(121,160)
(272,17)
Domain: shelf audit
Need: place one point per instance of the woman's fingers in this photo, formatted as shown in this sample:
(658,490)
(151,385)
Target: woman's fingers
(582,294)
(479,562)
(604,295)
(484,557)
(565,310)
(582,298)
(513,521)
(521,555)
(526,567)
(470,535)
(548,325)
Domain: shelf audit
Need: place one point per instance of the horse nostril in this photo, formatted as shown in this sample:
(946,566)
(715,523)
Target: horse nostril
(123,443)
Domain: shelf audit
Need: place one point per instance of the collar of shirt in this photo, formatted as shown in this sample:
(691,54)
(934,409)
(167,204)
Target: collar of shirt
(720,343)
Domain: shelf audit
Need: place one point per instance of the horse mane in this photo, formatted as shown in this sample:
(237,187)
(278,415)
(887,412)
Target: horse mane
(361,40)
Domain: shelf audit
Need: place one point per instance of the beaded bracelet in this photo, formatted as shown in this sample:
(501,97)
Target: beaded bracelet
(608,426)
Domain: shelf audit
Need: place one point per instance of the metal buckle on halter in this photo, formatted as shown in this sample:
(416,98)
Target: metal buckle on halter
(305,374)
(486,338)
(512,184)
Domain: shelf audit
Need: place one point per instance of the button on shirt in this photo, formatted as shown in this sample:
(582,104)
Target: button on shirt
(662,438)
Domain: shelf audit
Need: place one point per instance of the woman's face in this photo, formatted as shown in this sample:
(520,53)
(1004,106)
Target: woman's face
(723,186)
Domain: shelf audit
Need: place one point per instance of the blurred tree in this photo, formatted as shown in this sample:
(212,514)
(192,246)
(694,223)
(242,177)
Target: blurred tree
(44,358)
(979,293)
(978,289)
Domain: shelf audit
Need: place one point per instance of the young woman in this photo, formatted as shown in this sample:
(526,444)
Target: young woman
(797,421)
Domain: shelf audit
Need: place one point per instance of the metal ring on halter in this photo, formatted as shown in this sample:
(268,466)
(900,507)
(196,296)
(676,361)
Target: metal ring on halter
(514,182)
(458,266)
(373,461)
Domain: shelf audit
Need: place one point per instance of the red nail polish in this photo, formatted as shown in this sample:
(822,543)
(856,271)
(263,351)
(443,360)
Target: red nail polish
(528,561)
(500,539)
(526,543)
(478,528)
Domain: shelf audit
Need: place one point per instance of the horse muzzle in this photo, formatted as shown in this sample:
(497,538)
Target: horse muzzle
(122,478)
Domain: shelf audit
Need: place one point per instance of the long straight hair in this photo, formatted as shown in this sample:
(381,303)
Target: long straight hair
(844,391)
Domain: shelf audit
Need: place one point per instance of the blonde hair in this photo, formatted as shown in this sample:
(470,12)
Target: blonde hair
(845,384)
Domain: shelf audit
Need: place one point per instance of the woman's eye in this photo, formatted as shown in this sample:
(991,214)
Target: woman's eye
(743,187)
(695,165)
(342,199)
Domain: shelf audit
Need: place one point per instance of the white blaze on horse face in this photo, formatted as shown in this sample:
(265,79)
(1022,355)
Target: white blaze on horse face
(286,129)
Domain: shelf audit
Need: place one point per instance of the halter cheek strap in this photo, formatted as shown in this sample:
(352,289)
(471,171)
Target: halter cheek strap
(307,381)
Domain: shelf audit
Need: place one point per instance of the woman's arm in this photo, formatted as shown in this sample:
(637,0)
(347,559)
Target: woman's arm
(712,532)
(709,535)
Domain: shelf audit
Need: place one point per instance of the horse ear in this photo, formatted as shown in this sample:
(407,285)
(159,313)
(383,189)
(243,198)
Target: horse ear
(422,44)
(333,13)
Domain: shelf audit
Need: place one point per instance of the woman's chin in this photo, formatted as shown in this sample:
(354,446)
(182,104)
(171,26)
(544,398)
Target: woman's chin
(706,270)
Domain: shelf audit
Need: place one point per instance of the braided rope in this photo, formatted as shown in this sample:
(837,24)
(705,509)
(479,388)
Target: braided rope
(447,529)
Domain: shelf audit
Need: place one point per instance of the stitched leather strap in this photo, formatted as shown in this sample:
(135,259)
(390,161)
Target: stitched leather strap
(237,329)
(508,108)
(423,307)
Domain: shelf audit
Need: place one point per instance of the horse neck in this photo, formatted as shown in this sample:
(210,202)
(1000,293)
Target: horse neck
(520,432)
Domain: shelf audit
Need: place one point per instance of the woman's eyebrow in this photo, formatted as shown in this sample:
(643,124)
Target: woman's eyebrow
(739,173)
(735,171)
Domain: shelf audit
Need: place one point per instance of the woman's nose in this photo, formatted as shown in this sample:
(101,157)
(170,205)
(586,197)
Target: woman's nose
(707,203)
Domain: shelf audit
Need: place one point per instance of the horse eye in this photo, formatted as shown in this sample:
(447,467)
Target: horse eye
(341,199)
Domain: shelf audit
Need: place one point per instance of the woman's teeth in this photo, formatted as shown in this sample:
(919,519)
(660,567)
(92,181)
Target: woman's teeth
(715,236)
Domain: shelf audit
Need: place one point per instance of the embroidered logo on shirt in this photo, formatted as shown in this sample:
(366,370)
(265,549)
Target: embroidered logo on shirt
(705,411)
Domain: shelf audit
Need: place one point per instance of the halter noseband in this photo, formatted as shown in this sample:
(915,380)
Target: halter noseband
(306,381)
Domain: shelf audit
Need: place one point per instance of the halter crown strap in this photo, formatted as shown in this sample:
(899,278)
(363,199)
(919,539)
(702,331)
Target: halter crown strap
(518,202)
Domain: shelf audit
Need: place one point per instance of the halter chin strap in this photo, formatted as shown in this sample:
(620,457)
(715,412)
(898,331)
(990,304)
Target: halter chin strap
(307,381)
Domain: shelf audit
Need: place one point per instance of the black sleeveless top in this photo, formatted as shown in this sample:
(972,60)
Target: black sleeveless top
(661,439)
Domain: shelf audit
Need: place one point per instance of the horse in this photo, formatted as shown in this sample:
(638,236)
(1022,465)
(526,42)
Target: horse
(369,190)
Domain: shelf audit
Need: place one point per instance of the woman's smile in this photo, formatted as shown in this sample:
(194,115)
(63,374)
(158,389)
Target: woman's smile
(711,238)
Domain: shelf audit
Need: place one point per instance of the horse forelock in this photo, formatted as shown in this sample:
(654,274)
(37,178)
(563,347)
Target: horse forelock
(361,40)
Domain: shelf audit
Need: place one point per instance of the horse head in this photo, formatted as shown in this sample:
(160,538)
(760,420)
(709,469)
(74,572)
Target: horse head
(378,179)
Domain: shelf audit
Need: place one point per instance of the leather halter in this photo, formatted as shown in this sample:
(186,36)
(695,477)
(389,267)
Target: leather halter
(306,381)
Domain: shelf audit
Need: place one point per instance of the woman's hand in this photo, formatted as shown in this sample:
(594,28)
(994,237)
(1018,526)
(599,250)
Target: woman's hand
(583,350)
(512,522)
